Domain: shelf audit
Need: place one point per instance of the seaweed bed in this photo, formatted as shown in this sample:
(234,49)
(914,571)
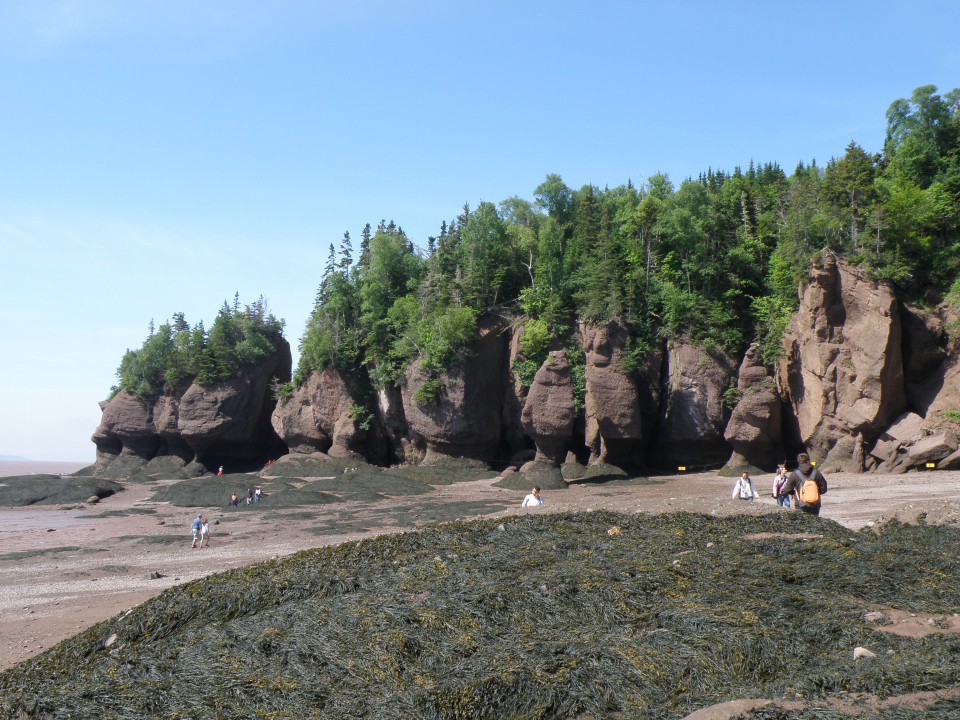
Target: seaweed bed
(584,615)
(25,490)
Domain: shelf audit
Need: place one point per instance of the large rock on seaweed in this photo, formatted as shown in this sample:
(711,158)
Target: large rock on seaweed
(621,403)
(548,412)
(462,419)
(755,425)
(693,419)
(318,417)
(842,366)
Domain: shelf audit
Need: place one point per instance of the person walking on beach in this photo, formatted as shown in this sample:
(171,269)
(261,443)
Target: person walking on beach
(256,495)
(195,529)
(807,485)
(743,488)
(533,499)
(220,471)
(204,532)
(782,498)
(234,500)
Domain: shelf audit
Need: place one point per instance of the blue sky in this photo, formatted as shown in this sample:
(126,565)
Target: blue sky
(160,156)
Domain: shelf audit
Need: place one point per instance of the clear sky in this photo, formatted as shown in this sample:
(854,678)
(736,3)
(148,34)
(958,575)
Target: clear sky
(161,155)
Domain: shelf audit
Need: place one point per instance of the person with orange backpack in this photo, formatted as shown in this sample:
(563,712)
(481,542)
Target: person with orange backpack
(807,485)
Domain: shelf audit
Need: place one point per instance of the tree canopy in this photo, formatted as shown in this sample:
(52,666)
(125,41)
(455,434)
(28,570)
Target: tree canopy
(175,352)
(717,258)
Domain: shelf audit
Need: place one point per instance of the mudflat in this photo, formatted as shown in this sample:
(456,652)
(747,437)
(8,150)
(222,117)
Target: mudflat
(65,568)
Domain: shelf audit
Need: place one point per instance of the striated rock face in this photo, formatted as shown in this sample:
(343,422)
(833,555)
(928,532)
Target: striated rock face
(619,405)
(317,417)
(126,427)
(464,421)
(842,369)
(755,425)
(548,411)
(691,430)
(230,421)
(225,423)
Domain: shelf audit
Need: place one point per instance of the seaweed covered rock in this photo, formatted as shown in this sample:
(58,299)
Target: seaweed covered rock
(543,615)
(842,366)
(24,490)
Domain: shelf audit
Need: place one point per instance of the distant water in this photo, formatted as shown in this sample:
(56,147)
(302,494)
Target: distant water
(39,467)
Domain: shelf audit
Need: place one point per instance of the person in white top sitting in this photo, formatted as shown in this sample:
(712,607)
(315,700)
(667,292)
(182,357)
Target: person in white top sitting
(532,499)
(744,488)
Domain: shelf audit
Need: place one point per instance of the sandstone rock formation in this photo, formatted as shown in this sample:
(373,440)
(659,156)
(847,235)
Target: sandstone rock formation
(619,404)
(228,422)
(755,425)
(842,369)
(693,418)
(464,419)
(318,417)
(548,411)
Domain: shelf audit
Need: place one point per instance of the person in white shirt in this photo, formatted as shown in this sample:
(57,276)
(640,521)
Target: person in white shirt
(533,499)
(744,488)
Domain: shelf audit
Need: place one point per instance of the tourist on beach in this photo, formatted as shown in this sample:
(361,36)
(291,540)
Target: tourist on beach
(220,471)
(806,484)
(195,529)
(234,500)
(256,495)
(782,498)
(743,488)
(249,495)
(533,499)
(204,532)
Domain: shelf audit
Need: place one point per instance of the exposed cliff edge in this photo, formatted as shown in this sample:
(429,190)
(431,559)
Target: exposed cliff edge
(864,383)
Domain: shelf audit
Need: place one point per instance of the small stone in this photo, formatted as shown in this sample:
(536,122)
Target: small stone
(862,653)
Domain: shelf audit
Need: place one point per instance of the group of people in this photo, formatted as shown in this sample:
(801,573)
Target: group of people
(804,486)
(253,496)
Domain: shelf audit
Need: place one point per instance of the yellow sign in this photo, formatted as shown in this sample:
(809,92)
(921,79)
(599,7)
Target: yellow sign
(931,466)
(681,468)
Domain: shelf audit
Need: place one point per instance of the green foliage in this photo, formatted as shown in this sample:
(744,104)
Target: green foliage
(732,395)
(718,259)
(361,416)
(172,354)
(525,371)
(429,392)
(282,392)
(578,374)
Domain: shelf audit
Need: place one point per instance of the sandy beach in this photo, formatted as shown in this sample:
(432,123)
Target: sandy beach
(64,569)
